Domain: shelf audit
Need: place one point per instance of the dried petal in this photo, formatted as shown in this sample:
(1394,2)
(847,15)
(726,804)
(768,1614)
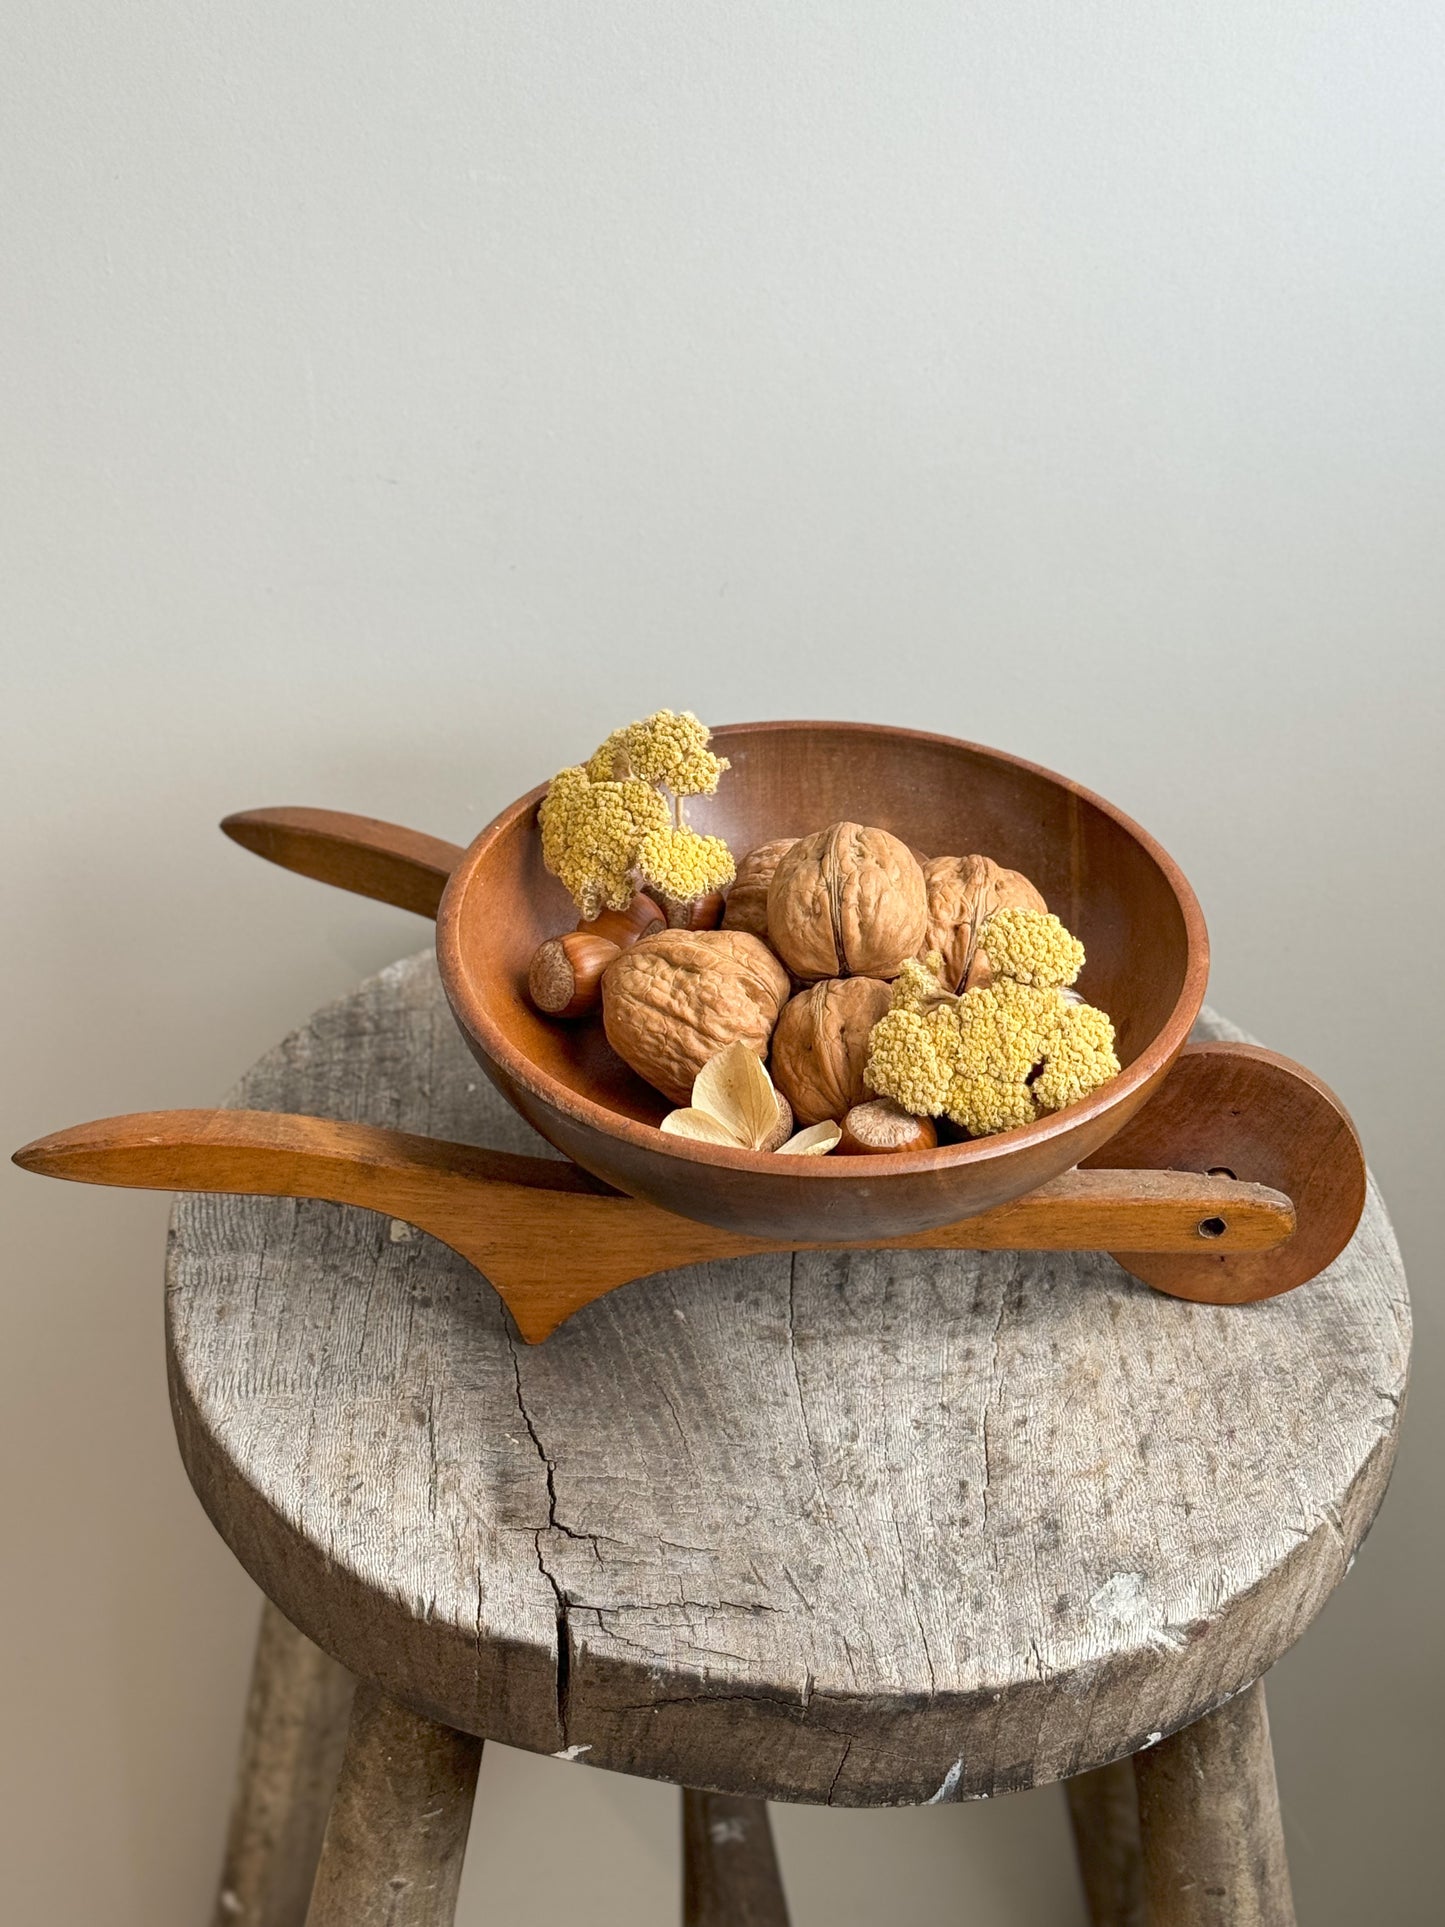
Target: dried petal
(815,1142)
(701,1125)
(736,1089)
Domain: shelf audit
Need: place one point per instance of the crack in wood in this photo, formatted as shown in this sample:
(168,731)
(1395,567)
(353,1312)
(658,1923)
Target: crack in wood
(562,1623)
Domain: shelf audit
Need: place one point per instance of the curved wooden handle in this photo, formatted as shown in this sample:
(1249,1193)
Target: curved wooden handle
(356,853)
(484,1204)
(549,1255)
(279,1154)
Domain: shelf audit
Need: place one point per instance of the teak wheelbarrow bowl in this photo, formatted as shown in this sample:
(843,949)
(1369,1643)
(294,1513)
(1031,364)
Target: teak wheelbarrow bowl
(1216,1172)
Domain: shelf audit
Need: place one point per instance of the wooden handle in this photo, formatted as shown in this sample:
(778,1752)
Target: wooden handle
(485,1204)
(278,1155)
(356,853)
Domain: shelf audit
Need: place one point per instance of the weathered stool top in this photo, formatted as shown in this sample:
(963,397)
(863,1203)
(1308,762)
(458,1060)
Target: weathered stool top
(871,1528)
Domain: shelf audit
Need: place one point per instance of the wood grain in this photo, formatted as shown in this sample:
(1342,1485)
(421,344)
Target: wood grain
(730,1872)
(1104,1816)
(1209,1816)
(397,1832)
(357,853)
(854,1527)
(297,1712)
(505,1215)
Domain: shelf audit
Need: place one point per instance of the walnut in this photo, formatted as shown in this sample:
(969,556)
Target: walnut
(676,999)
(963,893)
(747,905)
(821,1045)
(847,902)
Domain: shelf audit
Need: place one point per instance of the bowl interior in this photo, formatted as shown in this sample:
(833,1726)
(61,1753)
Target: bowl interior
(1111,885)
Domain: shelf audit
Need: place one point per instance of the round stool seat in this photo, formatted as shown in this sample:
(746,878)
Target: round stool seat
(867,1528)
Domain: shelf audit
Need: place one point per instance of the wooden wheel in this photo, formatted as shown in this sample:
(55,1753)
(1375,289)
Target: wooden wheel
(1238,1111)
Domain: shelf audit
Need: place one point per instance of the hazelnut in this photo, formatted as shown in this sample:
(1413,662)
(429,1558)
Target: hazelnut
(820,1046)
(676,999)
(880,1126)
(847,902)
(624,927)
(565,979)
(705,913)
(747,905)
(963,893)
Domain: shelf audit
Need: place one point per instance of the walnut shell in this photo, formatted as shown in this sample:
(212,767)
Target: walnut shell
(847,902)
(676,999)
(820,1046)
(963,893)
(747,905)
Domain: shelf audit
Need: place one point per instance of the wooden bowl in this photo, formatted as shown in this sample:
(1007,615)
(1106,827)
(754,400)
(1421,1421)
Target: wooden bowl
(1148,960)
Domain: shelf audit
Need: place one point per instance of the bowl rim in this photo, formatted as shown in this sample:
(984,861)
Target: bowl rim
(470,1011)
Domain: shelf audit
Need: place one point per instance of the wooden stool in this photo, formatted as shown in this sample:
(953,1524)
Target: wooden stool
(864,1528)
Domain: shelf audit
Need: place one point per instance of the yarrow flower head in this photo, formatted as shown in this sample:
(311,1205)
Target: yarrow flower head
(683,866)
(1031,947)
(590,835)
(667,747)
(608,829)
(999,1056)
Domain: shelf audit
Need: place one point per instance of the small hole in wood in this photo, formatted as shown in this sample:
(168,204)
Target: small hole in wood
(1212,1227)
(1220,1171)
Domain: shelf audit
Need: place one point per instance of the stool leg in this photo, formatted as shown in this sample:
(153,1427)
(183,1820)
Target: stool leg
(394,1843)
(1209,1814)
(296,1714)
(729,1866)
(1104,1811)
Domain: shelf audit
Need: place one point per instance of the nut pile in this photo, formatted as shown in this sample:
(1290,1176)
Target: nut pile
(893,997)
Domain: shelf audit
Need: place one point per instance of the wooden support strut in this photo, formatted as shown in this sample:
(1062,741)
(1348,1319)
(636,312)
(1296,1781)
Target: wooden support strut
(1104,1814)
(1213,1848)
(509,1216)
(397,1831)
(297,1713)
(730,1872)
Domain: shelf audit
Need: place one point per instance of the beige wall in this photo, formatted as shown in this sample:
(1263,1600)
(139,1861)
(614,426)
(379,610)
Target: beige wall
(398,396)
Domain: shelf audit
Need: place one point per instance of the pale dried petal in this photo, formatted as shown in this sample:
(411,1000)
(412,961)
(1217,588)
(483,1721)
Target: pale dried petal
(701,1125)
(735,1088)
(815,1142)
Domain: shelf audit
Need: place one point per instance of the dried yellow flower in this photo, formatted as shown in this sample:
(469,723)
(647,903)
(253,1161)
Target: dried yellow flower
(605,823)
(590,834)
(682,866)
(669,747)
(998,1057)
(1031,947)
